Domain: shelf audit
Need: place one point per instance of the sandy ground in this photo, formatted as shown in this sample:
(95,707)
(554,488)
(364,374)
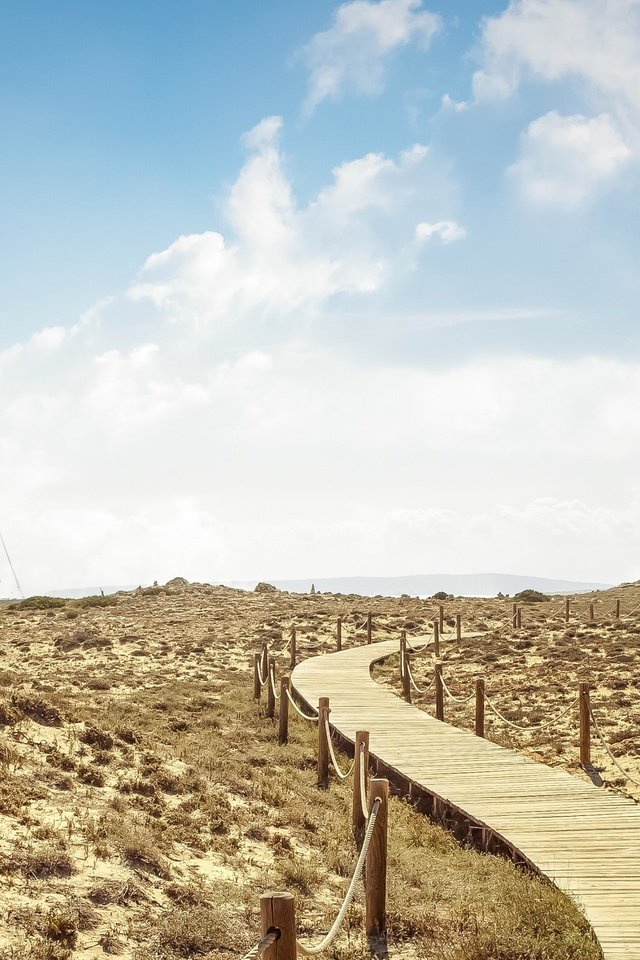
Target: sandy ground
(132,786)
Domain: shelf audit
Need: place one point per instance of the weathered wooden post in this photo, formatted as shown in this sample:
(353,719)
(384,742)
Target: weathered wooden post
(361,755)
(585,726)
(441,618)
(567,610)
(617,609)
(369,628)
(376,876)
(404,668)
(323,743)
(293,652)
(458,627)
(480,707)
(591,613)
(519,617)
(339,633)
(436,638)
(271,683)
(257,686)
(283,718)
(278,912)
(439,692)
(514,616)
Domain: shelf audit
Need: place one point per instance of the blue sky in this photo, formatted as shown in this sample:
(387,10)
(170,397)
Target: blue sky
(409,226)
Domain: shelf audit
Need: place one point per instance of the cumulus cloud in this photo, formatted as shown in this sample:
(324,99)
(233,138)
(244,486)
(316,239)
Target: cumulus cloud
(594,41)
(281,258)
(448,231)
(563,159)
(351,56)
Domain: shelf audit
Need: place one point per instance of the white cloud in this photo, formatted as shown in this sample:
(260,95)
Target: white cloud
(593,44)
(454,106)
(564,159)
(126,466)
(448,231)
(281,258)
(351,56)
(594,41)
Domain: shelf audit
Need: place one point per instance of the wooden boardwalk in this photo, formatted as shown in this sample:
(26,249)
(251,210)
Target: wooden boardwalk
(584,839)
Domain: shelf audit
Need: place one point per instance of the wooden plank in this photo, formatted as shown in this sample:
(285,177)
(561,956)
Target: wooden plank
(585,840)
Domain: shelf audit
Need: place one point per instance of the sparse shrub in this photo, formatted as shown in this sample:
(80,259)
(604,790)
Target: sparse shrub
(530,596)
(37,709)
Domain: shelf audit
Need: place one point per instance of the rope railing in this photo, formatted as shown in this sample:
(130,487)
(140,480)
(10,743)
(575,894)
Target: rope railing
(312,951)
(272,681)
(454,698)
(421,649)
(334,761)
(267,941)
(608,749)
(363,787)
(419,690)
(305,716)
(529,728)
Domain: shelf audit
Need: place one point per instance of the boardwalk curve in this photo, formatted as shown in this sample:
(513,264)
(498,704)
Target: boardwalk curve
(585,840)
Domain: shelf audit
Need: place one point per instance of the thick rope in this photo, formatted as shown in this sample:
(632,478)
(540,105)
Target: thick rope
(263,945)
(537,726)
(305,716)
(421,649)
(313,951)
(272,680)
(262,679)
(286,647)
(606,746)
(418,690)
(363,789)
(451,696)
(336,765)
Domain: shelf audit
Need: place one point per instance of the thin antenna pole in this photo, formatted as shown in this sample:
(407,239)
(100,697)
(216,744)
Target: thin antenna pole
(15,575)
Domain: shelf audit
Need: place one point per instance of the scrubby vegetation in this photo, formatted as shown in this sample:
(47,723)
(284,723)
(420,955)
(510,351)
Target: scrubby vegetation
(145,803)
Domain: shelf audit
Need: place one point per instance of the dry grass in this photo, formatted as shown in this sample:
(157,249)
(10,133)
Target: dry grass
(145,803)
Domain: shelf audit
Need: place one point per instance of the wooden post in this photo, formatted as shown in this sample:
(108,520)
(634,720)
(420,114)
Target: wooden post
(362,758)
(369,629)
(271,697)
(278,912)
(339,633)
(591,614)
(323,744)
(257,686)
(376,883)
(585,726)
(441,618)
(292,658)
(480,707)
(514,616)
(458,627)
(436,638)
(265,659)
(519,617)
(617,609)
(439,693)
(283,718)
(404,672)
(567,610)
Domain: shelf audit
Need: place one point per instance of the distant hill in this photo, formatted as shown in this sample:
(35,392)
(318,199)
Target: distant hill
(420,585)
(425,585)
